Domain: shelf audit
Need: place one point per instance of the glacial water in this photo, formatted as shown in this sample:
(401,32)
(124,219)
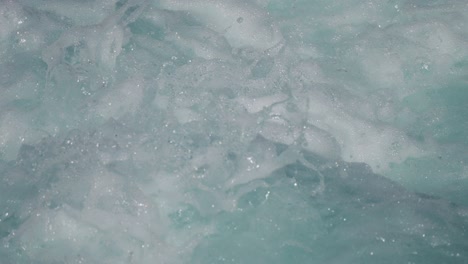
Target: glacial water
(234,131)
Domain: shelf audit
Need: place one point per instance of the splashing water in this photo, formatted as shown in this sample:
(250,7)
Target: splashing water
(247,131)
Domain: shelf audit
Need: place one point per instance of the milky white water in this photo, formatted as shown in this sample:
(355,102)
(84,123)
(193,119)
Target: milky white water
(233,131)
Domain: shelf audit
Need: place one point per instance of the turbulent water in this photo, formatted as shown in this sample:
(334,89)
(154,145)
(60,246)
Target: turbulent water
(234,131)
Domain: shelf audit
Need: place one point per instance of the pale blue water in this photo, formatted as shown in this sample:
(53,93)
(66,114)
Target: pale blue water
(233,131)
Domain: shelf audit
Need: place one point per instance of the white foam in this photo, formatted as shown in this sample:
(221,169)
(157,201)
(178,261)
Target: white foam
(254,105)
(360,140)
(125,98)
(200,41)
(259,165)
(85,46)
(185,115)
(321,142)
(383,68)
(193,119)
(83,13)
(242,23)
(13,134)
(279,130)
(307,71)
(54,231)
(11,19)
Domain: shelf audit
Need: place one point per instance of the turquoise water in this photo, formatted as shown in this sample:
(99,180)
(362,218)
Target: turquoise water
(233,131)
